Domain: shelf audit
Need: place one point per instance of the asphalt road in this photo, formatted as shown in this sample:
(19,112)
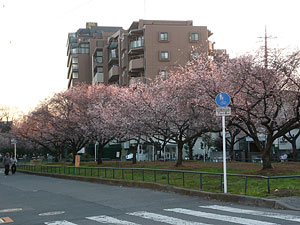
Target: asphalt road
(30,200)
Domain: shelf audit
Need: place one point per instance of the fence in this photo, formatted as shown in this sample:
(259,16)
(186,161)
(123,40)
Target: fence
(206,181)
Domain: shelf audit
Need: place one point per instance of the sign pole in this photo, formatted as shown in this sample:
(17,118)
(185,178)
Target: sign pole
(15,150)
(224,155)
(223,100)
(95,151)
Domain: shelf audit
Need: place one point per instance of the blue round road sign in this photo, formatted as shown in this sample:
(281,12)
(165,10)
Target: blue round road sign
(222,99)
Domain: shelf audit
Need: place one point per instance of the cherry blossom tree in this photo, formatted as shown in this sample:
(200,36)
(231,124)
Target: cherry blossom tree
(68,110)
(36,128)
(264,101)
(101,120)
(177,111)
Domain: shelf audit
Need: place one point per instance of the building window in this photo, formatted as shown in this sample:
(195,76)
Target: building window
(163,74)
(163,36)
(164,55)
(74,75)
(99,69)
(113,53)
(194,36)
(74,66)
(99,59)
(84,46)
(74,60)
(99,53)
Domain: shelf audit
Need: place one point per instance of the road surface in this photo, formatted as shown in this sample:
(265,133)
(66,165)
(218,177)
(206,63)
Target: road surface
(31,200)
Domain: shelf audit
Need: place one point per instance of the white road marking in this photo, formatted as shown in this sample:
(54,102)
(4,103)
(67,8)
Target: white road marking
(52,213)
(214,216)
(163,219)
(254,212)
(63,222)
(108,219)
(10,210)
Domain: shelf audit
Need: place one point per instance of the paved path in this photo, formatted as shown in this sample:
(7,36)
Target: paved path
(32,200)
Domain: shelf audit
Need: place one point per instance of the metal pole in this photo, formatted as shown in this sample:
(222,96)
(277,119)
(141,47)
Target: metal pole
(95,151)
(15,150)
(153,152)
(224,155)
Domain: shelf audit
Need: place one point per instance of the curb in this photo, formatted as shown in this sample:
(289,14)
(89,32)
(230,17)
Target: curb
(233,198)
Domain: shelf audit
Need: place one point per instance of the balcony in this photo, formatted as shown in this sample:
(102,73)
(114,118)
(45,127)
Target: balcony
(98,78)
(80,51)
(113,56)
(72,68)
(136,65)
(136,46)
(113,74)
(97,61)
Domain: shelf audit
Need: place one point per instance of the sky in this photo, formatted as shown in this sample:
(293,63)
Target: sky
(33,37)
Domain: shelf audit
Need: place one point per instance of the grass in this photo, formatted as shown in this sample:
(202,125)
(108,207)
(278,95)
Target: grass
(212,183)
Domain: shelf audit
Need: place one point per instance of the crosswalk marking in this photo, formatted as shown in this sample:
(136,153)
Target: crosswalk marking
(167,219)
(10,210)
(254,212)
(226,218)
(63,222)
(164,219)
(108,219)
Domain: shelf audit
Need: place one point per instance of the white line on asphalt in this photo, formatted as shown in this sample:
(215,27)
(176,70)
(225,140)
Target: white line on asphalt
(10,210)
(254,212)
(108,219)
(63,222)
(163,219)
(52,213)
(214,216)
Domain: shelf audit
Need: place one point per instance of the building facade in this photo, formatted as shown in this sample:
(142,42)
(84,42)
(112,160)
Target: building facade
(147,49)
(80,48)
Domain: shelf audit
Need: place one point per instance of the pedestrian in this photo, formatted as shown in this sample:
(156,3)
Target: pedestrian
(6,162)
(13,162)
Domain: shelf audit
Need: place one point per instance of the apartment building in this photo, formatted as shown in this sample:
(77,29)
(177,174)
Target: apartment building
(147,49)
(80,47)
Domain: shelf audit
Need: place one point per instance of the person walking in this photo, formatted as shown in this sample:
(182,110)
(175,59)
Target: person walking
(13,162)
(6,162)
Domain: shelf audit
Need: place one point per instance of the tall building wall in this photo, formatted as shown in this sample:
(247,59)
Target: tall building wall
(149,48)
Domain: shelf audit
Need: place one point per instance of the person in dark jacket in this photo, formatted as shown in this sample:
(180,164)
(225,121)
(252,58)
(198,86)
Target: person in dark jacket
(13,162)
(6,162)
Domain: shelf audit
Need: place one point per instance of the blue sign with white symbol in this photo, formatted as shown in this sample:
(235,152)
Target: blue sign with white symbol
(222,99)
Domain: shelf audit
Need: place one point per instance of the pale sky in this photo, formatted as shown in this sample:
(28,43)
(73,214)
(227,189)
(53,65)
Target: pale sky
(33,37)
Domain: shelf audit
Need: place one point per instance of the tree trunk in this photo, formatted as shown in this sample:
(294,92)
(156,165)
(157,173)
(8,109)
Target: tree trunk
(191,144)
(295,153)
(100,152)
(134,153)
(266,157)
(56,154)
(74,154)
(191,153)
(180,147)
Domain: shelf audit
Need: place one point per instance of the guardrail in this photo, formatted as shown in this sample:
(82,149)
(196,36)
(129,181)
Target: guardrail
(207,181)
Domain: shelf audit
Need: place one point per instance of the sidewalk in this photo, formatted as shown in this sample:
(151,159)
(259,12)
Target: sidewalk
(292,202)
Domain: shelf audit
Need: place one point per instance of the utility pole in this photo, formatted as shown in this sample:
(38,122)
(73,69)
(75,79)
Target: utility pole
(266,47)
